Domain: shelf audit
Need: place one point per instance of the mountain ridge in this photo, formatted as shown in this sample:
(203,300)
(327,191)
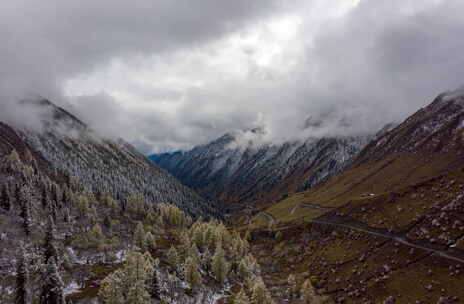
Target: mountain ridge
(387,229)
(253,174)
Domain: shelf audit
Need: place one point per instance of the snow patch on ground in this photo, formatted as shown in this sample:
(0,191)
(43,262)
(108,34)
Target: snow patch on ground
(74,258)
(72,287)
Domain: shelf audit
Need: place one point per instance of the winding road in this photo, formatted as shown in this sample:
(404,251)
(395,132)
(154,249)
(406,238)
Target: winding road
(345,222)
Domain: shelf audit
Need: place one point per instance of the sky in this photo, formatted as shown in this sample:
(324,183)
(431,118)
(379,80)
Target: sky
(172,74)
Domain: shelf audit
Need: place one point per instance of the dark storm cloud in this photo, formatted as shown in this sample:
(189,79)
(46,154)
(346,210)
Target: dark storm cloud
(46,42)
(386,57)
(379,62)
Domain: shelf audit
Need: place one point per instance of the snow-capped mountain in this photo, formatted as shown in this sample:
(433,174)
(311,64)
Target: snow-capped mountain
(241,171)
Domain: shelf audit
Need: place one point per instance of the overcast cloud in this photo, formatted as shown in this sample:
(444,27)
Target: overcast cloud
(168,75)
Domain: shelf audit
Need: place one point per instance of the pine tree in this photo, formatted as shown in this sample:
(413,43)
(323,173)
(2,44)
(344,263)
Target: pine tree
(308,292)
(150,240)
(56,194)
(260,294)
(17,195)
(154,284)
(44,197)
(206,259)
(243,270)
(292,286)
(139,236)
(65,197)
(5,201)
(96,236)
(138,267)
(194,253)
(22,279)
(50,252)
(241,298)
(219,265)
(13,162)
(111,289)
(173,257)
(191,273)
(53,288)
(25,201)
(199,236)
(107,223)
(138,294)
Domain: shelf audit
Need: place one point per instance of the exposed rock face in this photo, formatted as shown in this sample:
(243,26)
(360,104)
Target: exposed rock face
(228,171)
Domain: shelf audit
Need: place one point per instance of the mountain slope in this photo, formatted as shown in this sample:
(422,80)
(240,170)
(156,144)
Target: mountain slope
(109,166)
(92,192)
(251,173)
(390,227)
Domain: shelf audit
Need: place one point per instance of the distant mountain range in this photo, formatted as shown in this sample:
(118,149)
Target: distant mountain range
(238,172)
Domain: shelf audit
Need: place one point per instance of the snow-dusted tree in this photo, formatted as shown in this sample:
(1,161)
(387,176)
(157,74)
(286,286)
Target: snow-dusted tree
(138,294)
(292,286)
(150,240)
(53,288)
(219,265)
(185,244)
(25,207)
(13,162)
(108,201)
(139,237)
(5,199)
(198,235)
(56,194)
(241,298)
(111,289)
(135,204)
(210,237)
(194,254)
(260,293)
(172,216)
(22,279)
(173,257)
(308,292)
(50,251)
(138,266)
(154,283)
(44,197)
(96,233)
(191,272)
(66,196)
(206,259)
(131,283)
(83,205)
(248,267)
(243,269)
(152,215)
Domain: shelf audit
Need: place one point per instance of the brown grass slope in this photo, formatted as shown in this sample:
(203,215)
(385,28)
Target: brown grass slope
(407,183)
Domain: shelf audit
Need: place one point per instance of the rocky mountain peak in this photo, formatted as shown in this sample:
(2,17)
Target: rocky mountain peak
(436,128)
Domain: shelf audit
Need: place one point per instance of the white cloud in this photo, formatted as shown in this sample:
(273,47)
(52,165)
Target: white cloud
(198,71)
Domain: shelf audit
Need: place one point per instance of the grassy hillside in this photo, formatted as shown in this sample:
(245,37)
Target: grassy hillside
(414,197)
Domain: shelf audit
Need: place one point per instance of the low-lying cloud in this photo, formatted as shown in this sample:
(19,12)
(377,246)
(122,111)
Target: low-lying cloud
(170,75)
